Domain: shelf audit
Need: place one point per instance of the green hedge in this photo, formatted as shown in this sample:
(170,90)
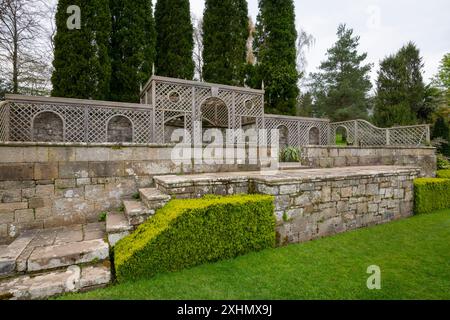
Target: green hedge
(431,194)
(190,232)
(443,174)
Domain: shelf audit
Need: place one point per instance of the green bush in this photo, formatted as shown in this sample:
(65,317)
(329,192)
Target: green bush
(190,232)
(443,174)
(431,194)
(442,162)
(290,154)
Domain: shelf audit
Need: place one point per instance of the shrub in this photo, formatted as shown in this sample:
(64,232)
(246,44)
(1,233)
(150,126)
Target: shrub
(443,174)
(431,194)
(442,162)
(190,232)
(290,154)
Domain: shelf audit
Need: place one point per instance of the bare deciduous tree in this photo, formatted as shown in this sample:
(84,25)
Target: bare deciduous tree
(305,42)
(198,46)
(24,50)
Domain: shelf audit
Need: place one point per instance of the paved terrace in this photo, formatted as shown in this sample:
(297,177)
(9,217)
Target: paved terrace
(282,177)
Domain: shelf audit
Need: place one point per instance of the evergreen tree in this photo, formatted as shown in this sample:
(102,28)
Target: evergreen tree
(400,89)
(82,67)
(341,87)
(441,130)
(225,33)
(276,54)
(174,39)
(132,47)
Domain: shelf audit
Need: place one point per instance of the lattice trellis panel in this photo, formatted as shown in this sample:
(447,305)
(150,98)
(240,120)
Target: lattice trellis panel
(298,130)
(413,136)
(361,132)
(98,119)
(82,123)
(4,121)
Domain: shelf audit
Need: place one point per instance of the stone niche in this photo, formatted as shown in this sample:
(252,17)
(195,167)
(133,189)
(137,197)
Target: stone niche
(120,129)
(48,127)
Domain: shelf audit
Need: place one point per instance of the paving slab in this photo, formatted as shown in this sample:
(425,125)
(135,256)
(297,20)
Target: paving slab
(9,255)
(51,257)
(137,208)
(71,279)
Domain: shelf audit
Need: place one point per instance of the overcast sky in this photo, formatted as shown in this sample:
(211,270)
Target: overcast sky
(384,26)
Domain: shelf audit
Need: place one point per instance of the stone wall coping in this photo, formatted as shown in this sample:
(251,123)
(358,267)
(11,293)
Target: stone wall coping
(55,100)
(367,147)
(85,145)
(284,177)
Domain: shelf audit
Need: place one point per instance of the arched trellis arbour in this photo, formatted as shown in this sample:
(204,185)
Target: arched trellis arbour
(119,129)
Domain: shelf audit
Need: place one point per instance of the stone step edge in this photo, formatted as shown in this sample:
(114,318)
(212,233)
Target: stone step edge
(136,208)
(153,195)
(57,256)
(56,282)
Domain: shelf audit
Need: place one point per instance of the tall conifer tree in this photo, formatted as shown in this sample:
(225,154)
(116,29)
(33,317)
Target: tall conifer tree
(225,34)
(174,39)
(400,88)
(132,47)
(275,47)
(341,87)
(82,67)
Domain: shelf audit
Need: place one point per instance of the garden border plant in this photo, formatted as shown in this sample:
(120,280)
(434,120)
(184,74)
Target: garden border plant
(189,232)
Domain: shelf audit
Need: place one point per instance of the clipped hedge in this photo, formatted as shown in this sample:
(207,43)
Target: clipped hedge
(431,194)
(443,174)
(189,232)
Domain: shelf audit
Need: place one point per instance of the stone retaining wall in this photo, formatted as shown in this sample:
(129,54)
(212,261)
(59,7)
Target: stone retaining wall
(313,203)
(52,185)
(315,208)
(333,156)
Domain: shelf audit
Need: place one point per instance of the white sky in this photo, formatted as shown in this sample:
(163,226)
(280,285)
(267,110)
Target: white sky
(384,26)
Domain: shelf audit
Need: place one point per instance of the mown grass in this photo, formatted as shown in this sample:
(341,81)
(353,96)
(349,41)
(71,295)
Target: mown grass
(413,254)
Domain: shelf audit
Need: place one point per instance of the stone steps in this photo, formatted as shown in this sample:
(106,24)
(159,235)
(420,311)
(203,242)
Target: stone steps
(119,225)
(45,285)
(153,198)
(57,256)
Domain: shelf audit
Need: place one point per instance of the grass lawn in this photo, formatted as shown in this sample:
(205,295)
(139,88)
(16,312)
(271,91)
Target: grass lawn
(413,254)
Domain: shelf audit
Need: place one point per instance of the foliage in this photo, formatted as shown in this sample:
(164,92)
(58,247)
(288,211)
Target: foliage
(4,89)
(290,154)
(137,196)
(305,106)
(400,89)
(441,129)
(225,33)
(341,140)
(444,174)
(174,39)
(82,66)
(102,216)
(442,162)
(431,194)
(341,87)
(189,232)
(132,47)
(276,54)
(308,271)
(442,79)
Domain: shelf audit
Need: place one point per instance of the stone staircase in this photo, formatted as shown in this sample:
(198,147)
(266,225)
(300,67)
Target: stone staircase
(135,212)
(44,263)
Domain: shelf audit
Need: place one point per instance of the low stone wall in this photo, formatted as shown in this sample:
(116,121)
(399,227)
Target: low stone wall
(314,207)
(51,185)
(334,156)
(313,203)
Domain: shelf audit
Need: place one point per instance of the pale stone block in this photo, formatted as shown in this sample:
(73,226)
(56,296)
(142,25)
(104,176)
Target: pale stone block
(24,215)
(45,190)
(12,154)
(346,192)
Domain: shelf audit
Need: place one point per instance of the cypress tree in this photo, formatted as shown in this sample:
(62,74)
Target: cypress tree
(400,88)
(82,67)
(276,53)
(174,39)
(225,33)
(132,47)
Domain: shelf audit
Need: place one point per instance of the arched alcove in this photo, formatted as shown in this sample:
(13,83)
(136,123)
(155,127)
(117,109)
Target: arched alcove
(341,136)
(314,136)
(120,129)
(48,126)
